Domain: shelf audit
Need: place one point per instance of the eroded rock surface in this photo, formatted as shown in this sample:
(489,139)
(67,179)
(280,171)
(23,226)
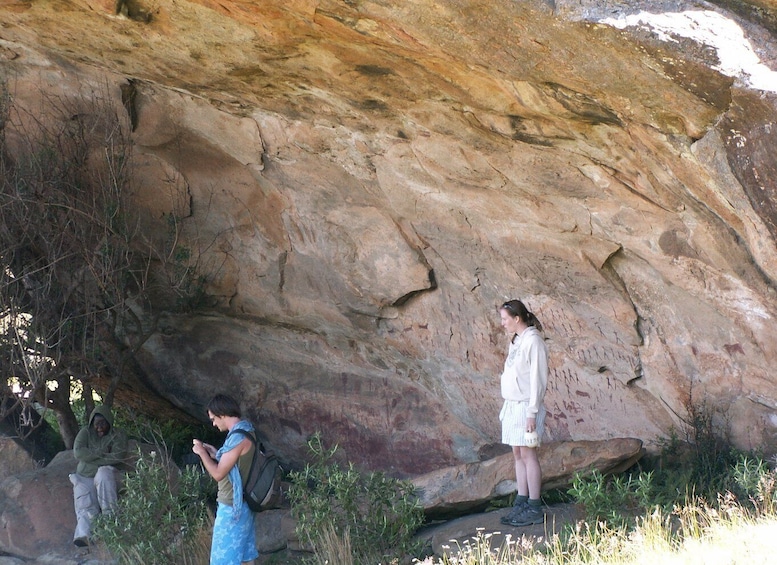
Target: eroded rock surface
(36,510)
(363,183)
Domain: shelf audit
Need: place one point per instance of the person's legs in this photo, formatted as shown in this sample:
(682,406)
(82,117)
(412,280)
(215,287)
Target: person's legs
(105,486)
(528,475)
(522,488)
(531,513)
(532,472)
(521,472)
(530,456)
(219,554)
(85,504)
(513,418)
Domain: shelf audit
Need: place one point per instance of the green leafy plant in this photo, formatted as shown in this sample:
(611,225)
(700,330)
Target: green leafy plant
(756,482)
(162,516)
(699,461)
(614,499)
(713,457)
(377,514)
(174,436)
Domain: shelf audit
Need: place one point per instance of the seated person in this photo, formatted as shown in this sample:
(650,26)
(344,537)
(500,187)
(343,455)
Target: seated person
(99,448)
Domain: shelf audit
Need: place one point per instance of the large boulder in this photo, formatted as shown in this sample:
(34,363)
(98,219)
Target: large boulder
(36,510)
(463,488)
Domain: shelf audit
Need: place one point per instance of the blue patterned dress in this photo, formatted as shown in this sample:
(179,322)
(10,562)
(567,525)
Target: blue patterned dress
(234,537)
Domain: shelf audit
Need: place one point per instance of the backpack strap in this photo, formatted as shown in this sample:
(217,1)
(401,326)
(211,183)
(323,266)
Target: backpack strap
(252,436)
(250,454)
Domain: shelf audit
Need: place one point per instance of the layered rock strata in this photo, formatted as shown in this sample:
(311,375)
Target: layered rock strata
(363,183)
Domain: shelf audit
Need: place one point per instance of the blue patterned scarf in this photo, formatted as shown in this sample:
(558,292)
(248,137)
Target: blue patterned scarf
(232,441)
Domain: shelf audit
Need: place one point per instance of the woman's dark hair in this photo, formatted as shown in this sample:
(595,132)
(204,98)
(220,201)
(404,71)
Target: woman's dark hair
(223,405)
(516,308)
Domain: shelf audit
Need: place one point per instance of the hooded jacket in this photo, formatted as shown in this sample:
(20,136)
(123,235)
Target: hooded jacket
(525,375)
(93,451)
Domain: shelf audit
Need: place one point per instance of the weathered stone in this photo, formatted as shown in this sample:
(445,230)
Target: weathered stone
(362,183)
(271,531)
(13,458)
(36,510)
(462,488)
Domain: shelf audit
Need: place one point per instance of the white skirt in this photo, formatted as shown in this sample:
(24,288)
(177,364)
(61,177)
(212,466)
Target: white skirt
(513,418)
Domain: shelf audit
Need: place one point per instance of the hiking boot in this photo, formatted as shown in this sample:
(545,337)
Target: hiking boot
(528,516)
(514,512)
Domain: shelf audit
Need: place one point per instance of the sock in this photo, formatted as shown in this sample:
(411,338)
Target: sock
(520,499)
(534,501)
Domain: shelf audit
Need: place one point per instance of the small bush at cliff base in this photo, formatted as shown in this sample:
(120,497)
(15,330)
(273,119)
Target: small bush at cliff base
(378,515)
(612,499)
(162,513)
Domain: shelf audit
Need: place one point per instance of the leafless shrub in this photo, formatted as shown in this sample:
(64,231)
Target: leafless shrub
(75,268)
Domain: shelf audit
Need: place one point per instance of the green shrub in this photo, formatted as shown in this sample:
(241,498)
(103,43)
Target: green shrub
(376,513)
(704,466)
(705,461)
(174,437)
(756,483)
(615,499)
(162,512)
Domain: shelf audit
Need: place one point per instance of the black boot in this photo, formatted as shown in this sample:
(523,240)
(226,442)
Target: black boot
(519,504)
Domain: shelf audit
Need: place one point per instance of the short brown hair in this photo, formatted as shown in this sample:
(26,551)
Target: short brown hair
(224,405)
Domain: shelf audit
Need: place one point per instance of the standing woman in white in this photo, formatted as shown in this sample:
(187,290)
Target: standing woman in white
(524,380)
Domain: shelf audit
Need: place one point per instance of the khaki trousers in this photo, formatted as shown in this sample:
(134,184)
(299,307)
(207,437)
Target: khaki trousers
(91,496)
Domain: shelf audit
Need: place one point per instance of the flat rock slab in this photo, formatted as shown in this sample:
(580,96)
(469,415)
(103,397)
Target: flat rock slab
(457,490)
(454,535)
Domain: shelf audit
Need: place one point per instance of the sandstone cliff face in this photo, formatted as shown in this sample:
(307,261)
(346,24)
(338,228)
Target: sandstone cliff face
(364,182)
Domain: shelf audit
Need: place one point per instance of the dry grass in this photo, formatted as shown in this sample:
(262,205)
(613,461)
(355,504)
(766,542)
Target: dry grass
(197,552)
(332,548)
(692,535)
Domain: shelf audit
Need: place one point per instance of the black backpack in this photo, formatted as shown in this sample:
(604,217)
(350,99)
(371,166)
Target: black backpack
(262,490)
